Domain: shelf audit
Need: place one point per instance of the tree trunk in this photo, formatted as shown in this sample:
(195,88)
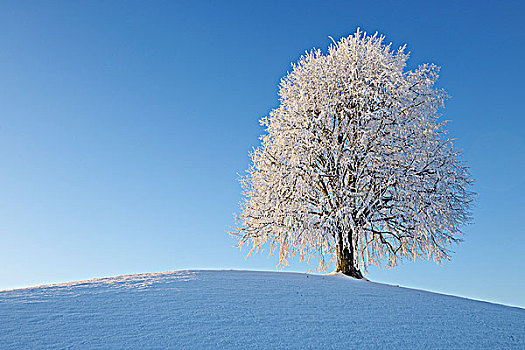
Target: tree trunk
(347,263)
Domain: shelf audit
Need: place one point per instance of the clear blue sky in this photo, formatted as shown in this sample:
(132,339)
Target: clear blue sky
(123,126)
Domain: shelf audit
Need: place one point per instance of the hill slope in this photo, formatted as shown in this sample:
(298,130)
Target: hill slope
(243,309)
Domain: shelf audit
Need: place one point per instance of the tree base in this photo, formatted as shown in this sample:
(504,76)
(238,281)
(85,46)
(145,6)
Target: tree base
(345,264)
(354,274)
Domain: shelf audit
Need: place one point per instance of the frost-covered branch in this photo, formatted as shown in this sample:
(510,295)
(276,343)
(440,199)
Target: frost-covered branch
(355,157)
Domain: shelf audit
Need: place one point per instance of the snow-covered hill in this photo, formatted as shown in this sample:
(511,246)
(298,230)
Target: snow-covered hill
(243,309)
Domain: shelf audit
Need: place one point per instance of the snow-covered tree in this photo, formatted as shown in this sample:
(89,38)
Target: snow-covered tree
(355,163)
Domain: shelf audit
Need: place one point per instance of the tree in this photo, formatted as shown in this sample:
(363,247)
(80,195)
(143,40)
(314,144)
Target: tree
(356,163)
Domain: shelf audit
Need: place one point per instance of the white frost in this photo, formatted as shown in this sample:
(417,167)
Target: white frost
(356,155)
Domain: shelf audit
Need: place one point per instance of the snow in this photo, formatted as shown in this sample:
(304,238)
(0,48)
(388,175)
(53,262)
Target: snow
(247,309)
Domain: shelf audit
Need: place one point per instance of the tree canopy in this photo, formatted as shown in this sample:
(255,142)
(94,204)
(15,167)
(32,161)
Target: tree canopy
(356,164)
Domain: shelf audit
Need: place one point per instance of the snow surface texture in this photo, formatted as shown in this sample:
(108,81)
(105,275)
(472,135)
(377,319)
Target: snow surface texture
(243,309)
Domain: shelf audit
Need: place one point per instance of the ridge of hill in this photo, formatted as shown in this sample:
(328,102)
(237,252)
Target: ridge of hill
(249,309)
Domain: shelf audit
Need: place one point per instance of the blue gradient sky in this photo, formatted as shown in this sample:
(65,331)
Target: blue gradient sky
(123,126)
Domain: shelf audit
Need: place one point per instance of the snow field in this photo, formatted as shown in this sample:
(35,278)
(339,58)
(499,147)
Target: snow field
(248,309)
